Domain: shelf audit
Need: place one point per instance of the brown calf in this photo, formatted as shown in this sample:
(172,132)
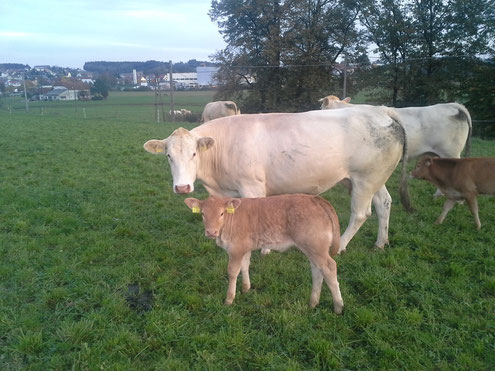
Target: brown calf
(459,179)
(242,225)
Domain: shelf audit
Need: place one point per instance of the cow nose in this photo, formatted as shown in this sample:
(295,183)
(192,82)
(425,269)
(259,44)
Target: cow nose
(211,233)
(182,188)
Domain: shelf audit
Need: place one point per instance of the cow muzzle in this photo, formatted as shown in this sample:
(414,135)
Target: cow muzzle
(182,189)
(211,233)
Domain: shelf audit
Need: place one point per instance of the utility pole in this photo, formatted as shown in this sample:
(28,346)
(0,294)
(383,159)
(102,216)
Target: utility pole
(25,92)
(172,111)
(345,76)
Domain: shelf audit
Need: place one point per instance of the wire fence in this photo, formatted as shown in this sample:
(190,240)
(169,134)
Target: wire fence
(145,112)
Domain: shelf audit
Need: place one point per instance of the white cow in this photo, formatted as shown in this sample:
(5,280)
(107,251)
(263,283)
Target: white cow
(442,129)
(214,110)
(278,153)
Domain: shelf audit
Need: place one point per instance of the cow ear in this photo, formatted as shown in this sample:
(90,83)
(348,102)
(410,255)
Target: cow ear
(193,203)
(205,143)
(232,204)
(155,146)
(346,100)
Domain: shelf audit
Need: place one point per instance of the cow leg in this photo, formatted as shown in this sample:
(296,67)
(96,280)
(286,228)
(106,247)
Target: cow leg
(473,206)
(246,283)
(382,202)
(360,210)
(329,271)
(448,204)
(234,267)
(317,278)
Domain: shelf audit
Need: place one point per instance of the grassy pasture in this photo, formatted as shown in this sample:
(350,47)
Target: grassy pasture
(103,267)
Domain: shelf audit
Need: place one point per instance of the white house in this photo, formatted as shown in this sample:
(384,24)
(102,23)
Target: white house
(186,80)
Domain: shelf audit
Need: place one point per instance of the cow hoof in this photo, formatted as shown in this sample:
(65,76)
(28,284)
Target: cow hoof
(338,309)
(341,251)
(265,251)
(245,289)
(228,302)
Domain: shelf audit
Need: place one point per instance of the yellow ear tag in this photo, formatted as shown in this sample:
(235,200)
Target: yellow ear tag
(196,210)
(202,148)
(159,150)
(230,209)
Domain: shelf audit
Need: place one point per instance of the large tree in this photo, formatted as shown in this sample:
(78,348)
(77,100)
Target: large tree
(428,46)
(282,52)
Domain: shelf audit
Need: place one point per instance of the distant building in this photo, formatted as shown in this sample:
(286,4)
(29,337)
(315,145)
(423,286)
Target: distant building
(206,76)
(62,93)
(185,80)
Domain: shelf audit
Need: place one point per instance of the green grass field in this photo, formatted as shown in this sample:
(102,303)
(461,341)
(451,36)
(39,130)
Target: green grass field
(103,267)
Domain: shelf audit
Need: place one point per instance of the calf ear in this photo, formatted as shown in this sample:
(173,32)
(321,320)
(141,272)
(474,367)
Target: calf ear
(193,203)
(155,146)
(205,143)
(232,203)
(346,100)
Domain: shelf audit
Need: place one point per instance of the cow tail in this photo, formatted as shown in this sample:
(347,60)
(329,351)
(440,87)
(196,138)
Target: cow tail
(467,148)
(332,215)
(403,188)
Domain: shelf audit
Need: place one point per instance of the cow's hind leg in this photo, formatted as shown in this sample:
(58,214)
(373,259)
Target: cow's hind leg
(448,204)
(360,210)
(383,203)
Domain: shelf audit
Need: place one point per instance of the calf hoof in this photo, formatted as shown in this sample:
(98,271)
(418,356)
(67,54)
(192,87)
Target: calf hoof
(228,301)
(341,251)
(245,288)
(338,309)
(313,304)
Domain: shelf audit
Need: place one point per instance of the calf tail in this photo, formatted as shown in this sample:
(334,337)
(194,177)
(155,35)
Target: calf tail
(332,215)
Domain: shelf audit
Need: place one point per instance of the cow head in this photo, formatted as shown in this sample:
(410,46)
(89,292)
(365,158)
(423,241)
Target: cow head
(214,211)
(333,102)
(422,169)
(182,149)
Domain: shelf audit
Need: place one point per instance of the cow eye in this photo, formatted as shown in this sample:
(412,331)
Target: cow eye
(221,214)
(194,154)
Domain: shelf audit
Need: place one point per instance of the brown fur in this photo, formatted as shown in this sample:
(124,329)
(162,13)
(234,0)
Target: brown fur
(278,222)
(459,179)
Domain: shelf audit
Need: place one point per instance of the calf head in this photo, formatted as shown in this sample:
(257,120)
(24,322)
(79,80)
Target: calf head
(333,102)
(214,212)
(422,169)
(181,149)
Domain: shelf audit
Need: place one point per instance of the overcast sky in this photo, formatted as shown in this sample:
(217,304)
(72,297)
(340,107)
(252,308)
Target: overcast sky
(71,32)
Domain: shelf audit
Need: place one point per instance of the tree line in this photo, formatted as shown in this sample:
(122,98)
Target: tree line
(282,55)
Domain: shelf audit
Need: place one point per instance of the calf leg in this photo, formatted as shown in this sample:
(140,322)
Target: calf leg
(473,206)
(317,277)
(448,204)
(234,267)
(329,271)
(383,203)
(246,283)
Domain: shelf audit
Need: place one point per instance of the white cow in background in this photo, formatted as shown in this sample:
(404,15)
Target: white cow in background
(442,129)
(214,110)
(278,153)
